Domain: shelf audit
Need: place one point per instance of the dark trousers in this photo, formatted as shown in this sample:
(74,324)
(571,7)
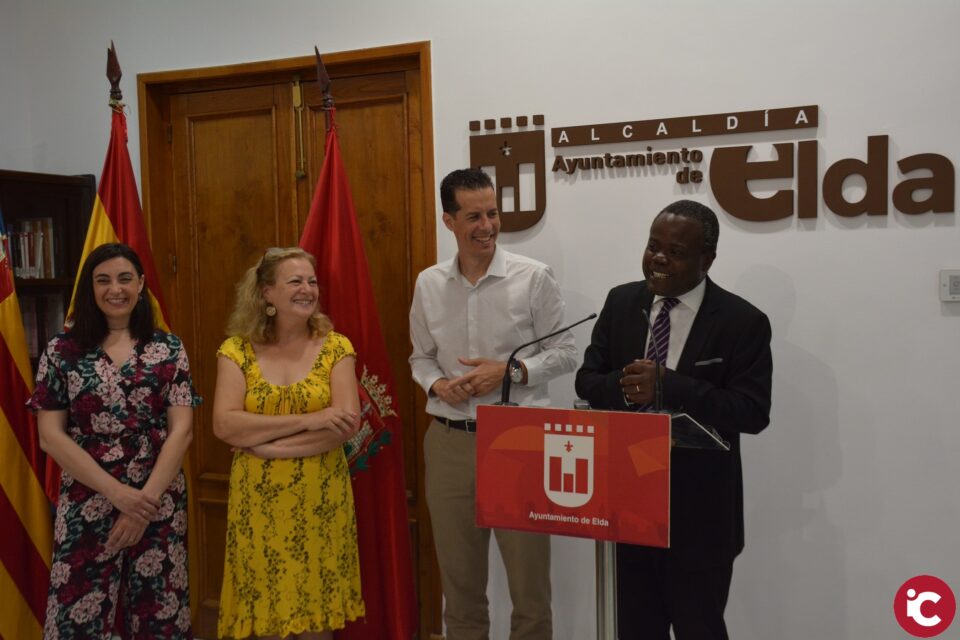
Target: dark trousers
(655,592)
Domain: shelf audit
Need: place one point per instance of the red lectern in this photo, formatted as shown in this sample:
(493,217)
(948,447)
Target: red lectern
(603,475)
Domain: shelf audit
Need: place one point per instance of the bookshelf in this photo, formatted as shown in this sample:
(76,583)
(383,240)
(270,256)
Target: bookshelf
(46,218)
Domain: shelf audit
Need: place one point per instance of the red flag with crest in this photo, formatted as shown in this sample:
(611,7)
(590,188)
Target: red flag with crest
(331,234)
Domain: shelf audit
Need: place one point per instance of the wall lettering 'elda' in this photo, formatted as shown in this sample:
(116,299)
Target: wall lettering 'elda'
(730,174)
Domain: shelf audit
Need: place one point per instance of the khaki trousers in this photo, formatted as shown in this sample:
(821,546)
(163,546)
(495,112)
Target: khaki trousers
(463,548)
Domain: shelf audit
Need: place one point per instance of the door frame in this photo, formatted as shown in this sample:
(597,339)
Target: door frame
(156,162)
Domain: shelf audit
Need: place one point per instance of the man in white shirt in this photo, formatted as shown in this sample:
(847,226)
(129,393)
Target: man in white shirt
(468,314)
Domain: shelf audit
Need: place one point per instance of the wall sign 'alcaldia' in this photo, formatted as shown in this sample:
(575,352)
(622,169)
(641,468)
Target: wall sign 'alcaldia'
(927,184)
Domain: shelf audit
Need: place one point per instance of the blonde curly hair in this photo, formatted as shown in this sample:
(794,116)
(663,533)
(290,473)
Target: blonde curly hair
(249,318)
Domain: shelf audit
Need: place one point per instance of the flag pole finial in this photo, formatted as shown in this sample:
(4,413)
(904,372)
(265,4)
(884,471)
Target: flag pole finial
(324,79)
(113,75)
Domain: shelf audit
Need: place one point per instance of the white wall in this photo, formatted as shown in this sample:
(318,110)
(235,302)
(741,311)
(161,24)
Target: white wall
(14,91)
(852,489)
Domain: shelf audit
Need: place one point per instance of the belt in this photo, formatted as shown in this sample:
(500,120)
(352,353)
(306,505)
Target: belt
(470,426)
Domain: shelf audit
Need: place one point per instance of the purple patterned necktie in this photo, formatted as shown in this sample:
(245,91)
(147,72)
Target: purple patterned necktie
(660,335)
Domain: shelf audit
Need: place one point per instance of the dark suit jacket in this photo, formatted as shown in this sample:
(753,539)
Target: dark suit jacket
(722,380)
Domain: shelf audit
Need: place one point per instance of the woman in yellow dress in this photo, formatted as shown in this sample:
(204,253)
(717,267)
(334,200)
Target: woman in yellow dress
(286,400)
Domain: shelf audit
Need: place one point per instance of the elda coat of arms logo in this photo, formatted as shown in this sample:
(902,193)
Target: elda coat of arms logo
(506,154)
(568,463)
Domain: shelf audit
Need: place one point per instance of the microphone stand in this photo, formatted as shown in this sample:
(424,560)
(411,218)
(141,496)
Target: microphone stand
(505,388)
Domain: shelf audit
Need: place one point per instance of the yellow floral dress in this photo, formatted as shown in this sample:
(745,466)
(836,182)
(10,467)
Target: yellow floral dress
(291,557)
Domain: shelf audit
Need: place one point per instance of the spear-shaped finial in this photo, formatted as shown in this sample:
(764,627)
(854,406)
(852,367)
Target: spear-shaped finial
(113,75)
(324,79)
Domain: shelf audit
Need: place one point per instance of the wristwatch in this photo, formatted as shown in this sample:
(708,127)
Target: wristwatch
(516,372)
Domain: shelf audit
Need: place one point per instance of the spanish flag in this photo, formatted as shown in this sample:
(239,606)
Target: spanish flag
(117,216)
(24,509)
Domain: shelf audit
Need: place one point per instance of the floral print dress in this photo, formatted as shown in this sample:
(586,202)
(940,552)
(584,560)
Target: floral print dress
(118,416)
(291,556)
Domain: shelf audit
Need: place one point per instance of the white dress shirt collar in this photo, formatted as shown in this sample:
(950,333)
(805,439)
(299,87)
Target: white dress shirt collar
(496,269)
(692,299)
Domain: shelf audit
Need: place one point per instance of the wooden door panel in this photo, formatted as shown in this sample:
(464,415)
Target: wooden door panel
(225,202)
(213,531)
(232,201)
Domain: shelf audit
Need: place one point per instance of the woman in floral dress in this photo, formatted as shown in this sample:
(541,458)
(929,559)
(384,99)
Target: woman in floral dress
(114,403)
(286,400)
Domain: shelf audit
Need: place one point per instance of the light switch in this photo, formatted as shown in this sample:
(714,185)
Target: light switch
(950,285)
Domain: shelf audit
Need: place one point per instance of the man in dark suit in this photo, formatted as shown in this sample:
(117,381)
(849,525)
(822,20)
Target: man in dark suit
(717,369)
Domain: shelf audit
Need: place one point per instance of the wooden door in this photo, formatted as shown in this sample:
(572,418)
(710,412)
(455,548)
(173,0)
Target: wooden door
(231,202)
(226,151)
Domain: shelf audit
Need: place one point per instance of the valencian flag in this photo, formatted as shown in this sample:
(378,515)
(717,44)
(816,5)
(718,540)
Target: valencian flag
(375,454)
(117,217)
(24,509)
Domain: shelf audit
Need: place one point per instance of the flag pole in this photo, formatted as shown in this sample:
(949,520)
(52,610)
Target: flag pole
(324,79)
(113,75)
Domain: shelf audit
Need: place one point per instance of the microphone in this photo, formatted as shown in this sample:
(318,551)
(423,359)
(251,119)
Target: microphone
(657,385)
(505,389)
